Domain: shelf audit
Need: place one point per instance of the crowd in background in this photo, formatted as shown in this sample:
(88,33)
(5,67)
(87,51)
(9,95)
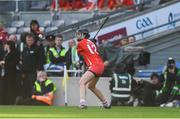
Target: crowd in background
(90,5)
(21,63)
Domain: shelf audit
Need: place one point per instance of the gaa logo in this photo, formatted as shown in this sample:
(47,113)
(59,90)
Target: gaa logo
(143,23)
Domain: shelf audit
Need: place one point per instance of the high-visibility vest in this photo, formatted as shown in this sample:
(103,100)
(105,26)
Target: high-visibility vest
(122,85)
(38,89)
(47,82)
(176,90)
(164,88)
(55,54)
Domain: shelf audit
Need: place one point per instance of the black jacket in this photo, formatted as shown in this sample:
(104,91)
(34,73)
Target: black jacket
(31,59)
(11,61)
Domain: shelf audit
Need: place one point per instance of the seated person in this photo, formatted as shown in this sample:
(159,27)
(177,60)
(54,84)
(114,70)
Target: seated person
(150,89)
(43,92)
(169,79)
(174,100)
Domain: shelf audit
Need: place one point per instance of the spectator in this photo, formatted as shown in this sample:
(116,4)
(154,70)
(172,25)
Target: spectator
(13,38)
(123,41)
(59,5)
(10,62)
(101,4)
(30,64)
(169,78)
(131,39)
(38,35)
(3,33)
(127,2)
(2,81)
(114,4)
(72,56)
(57,54)
(92,4)
(42,94)
(49,44)
(77,4)
(34,29)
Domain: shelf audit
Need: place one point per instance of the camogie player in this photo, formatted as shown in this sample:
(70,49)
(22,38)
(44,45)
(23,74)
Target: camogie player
(88,50)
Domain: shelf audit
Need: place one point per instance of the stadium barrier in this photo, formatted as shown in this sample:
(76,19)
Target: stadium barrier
(67,93)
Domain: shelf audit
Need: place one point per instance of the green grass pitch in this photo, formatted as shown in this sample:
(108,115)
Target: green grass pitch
(90,112)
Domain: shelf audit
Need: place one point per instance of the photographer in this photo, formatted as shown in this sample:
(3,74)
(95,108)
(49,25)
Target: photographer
(169,79)
(150,89)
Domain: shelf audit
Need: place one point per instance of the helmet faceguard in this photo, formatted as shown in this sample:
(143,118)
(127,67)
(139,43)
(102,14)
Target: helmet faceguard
(81,34)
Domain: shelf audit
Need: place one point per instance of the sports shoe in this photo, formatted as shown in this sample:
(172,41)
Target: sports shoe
(83,106)
(107,106)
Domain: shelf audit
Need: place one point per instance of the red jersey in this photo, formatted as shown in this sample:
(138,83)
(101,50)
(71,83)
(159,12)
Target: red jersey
(88,50)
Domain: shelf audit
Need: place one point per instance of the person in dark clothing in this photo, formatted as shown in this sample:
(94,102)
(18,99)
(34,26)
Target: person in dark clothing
(42,93)
(169,78)
(10,62)
(121,85)
(31,63)
(150,89)
(38,35)
(34,29)
(2,81)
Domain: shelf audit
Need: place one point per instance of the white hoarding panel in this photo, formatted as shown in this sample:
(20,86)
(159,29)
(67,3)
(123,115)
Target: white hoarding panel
(147,21)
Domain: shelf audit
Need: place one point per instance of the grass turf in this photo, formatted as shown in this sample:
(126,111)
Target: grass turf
(91,112)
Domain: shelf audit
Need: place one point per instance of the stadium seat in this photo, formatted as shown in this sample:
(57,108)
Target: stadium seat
(51,28)
(23,29)
(47,23)
(11,30)
(18,24)
(58,23)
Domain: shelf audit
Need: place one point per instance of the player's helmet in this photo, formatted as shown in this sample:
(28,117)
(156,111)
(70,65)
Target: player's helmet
(82,33)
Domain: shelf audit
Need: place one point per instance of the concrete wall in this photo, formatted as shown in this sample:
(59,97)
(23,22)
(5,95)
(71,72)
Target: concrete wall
(73,92)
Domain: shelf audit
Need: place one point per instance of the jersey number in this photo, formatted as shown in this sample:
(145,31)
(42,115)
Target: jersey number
(92,48)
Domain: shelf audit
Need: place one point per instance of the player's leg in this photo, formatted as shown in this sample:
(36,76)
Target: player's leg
(92,86)
(82,85)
